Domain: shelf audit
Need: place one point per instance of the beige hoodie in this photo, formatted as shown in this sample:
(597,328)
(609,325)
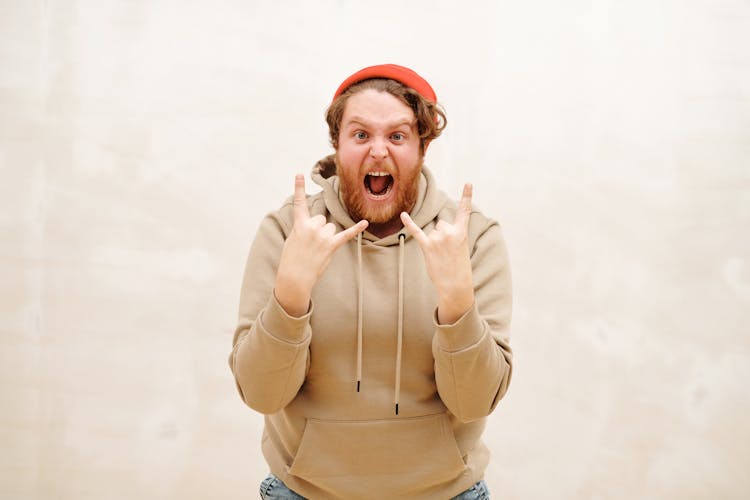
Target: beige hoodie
(366,396)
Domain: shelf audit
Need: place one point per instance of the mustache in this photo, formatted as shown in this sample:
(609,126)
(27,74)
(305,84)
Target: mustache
(370,166)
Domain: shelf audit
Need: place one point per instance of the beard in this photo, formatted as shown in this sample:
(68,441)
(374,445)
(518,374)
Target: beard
(352,184)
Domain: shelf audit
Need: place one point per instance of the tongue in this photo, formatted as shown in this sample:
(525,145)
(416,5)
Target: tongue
(378,185)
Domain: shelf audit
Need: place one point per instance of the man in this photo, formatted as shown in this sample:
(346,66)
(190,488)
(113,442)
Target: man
(374,315)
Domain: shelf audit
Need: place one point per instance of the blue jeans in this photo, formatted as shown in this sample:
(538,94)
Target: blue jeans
(273,489)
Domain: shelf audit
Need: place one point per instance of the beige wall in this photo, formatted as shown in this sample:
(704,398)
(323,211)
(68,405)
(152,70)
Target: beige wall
(142,141)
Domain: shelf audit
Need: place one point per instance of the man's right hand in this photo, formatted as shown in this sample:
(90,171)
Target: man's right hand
(306,253)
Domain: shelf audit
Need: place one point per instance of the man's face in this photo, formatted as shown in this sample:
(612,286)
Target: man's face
(378,159)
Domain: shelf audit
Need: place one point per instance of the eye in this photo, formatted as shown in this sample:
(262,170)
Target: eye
(398,136)
(360,135)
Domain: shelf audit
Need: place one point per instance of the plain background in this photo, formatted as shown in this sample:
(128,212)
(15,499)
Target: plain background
(142,141)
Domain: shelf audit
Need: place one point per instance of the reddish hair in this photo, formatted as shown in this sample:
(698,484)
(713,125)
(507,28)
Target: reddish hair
(430,116)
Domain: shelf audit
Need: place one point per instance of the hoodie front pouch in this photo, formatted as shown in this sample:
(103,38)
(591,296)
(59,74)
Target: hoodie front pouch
(421,449)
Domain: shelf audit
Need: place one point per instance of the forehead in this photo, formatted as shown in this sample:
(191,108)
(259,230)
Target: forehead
(373,107)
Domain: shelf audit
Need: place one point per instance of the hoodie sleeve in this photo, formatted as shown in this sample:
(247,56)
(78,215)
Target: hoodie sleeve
(473,358)
(270,354)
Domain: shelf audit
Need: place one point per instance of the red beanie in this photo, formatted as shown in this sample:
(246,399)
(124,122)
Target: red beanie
(394,72)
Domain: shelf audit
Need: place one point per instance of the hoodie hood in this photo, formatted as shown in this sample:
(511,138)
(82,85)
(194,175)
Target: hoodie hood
(430,200)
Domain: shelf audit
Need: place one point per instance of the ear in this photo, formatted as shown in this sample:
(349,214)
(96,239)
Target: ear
(426,143)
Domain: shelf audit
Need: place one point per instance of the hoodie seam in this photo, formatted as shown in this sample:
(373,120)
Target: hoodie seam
(317,199)
(455,388)
(283,393)
(488,223)
(285,228)
(375,420)
(304,322)
(466,348)
(286,341)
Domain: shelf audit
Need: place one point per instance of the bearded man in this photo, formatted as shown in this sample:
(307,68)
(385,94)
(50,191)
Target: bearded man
(374,318)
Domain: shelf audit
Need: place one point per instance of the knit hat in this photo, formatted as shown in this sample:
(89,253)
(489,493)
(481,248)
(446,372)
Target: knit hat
(394,72)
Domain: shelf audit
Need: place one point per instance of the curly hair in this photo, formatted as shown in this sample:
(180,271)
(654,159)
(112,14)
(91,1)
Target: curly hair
(430,116)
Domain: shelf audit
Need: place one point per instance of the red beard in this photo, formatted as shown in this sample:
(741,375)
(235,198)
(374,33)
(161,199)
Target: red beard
(378,214)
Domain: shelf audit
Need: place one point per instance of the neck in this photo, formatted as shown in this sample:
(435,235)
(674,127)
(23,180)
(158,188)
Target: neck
(386,228)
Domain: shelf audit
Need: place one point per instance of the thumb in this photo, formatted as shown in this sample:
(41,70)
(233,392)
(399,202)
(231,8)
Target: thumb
(349,233)
(413,229)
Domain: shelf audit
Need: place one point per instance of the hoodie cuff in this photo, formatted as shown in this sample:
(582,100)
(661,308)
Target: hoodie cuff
(278,323)
(464,333)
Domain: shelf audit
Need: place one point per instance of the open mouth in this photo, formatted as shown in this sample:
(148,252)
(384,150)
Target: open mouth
(378,184)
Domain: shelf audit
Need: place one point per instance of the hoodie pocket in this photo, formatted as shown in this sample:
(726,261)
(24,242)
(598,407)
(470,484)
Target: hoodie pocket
(420,448)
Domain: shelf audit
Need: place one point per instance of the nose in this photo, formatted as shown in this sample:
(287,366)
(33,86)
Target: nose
(378,149)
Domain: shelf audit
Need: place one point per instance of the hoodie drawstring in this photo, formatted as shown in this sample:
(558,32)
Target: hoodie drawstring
(399,344)
(360,296)
(400,331)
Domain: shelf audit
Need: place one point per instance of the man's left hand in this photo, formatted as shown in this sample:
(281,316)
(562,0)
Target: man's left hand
(446,255)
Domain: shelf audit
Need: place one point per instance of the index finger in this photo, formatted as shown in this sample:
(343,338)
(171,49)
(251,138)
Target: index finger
(300,198)
(464,207)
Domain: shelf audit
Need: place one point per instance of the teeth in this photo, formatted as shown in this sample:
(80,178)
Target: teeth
(378,174)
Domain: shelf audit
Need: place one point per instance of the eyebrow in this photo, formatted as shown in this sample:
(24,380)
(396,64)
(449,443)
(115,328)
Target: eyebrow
(362,121)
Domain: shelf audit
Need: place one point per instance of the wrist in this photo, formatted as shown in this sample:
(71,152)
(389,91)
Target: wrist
(452,307)
(295,300)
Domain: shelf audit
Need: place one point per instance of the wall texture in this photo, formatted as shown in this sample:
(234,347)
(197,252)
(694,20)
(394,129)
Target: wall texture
(142,141)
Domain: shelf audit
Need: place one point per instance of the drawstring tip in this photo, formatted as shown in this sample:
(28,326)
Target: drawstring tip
(396,408)
(357,385)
